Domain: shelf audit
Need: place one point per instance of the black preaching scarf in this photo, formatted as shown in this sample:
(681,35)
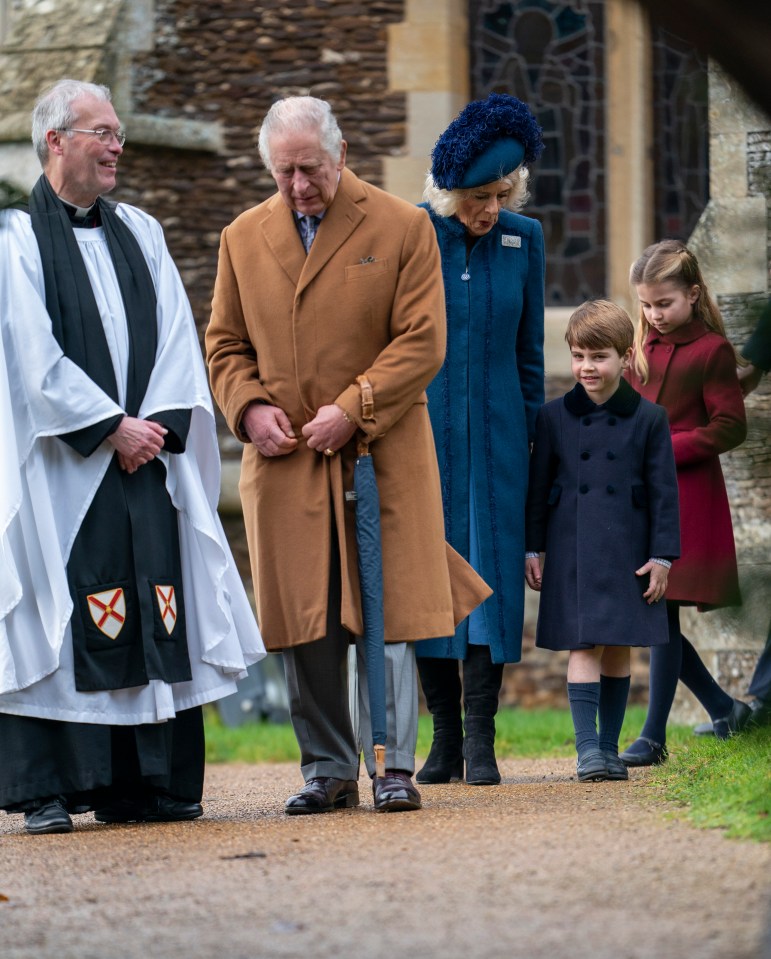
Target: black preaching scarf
(71,304)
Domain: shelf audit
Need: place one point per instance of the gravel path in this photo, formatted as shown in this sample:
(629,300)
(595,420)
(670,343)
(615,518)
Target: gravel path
(540,866)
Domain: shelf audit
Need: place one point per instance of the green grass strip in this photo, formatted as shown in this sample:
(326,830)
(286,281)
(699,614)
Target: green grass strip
(519,734)
(724,785)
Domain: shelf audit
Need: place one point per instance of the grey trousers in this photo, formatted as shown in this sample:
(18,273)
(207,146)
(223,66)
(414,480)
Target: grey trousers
(317,684)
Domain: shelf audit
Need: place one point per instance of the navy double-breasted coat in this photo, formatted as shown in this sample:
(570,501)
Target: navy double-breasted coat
(602,501)
(483,404)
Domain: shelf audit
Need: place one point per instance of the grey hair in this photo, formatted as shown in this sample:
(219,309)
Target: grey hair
(53,110)
(447,202)
(295,114)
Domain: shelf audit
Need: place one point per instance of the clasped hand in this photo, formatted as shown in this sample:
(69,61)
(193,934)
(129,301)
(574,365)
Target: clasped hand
(270,429)
(137,442)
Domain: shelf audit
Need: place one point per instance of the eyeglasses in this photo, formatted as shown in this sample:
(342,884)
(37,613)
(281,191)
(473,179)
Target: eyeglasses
(103,136)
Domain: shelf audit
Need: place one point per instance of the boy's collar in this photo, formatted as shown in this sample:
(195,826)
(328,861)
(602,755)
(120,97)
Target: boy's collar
(623,402)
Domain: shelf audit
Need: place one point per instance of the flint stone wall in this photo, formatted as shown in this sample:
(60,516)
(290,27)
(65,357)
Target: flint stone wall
(229,61)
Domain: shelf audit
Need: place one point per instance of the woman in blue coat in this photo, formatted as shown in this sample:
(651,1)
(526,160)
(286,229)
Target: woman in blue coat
(483,405)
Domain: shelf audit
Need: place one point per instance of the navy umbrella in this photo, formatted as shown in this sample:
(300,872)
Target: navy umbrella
(371,582)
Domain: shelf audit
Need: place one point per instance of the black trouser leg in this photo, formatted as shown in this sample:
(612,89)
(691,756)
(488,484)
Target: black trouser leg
(440,679)
(481,688)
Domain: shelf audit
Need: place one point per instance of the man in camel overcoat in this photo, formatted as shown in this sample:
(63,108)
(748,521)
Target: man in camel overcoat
(327,325)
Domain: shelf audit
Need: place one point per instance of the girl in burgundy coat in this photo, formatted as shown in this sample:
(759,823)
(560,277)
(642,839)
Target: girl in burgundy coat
(684,362)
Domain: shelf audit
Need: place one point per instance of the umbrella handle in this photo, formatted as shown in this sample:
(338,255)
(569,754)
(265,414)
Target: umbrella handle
(380,753)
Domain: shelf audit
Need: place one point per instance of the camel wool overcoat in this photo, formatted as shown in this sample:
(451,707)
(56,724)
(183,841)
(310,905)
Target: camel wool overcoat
(296,332)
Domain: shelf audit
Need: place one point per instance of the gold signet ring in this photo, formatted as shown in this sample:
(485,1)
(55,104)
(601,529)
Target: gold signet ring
(328,452)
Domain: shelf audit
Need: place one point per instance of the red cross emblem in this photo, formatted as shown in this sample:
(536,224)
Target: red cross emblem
(108,611)
(167,603)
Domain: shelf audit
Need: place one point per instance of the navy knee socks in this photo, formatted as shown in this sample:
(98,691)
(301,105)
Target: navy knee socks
(614,692)
(703,685)
(669,663)
(584,699)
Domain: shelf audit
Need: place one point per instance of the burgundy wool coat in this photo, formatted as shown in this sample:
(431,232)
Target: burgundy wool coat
(693,376)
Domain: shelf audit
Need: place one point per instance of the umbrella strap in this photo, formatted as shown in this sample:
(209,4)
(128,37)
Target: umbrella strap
(367,398)
(380,754)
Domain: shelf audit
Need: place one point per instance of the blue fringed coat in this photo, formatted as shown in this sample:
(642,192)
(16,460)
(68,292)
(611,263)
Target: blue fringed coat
(483,404)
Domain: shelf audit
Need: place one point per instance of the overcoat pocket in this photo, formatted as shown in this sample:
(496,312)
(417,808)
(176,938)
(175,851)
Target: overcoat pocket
(363,271)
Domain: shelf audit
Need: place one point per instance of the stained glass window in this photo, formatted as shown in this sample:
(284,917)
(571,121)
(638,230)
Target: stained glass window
(550,55)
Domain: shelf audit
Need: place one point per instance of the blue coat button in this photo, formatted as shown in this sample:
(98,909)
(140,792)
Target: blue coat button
(583,488)
(611,489)
(585,455)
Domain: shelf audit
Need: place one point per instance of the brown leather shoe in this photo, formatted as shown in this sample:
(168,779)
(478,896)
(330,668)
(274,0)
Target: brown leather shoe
(323,794)
(395,792)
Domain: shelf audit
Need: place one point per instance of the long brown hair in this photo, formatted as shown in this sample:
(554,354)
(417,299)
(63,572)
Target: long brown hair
(670,261)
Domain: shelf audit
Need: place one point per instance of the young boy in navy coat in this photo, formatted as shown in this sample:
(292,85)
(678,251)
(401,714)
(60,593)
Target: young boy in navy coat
(603,506)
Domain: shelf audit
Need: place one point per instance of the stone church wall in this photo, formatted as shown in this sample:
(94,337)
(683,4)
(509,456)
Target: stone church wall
(228,62)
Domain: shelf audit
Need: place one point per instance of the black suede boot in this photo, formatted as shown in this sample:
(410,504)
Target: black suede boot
(481,688)
(440,679)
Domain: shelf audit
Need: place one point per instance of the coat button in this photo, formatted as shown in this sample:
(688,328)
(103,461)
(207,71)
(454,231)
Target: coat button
(583,488)
(585,455)
(611,421)
(587,421)
(611,455)
(610,489)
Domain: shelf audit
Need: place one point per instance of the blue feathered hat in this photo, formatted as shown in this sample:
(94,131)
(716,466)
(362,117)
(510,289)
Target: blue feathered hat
(487,140)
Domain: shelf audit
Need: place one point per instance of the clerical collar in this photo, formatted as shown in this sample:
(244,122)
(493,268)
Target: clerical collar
(80,216)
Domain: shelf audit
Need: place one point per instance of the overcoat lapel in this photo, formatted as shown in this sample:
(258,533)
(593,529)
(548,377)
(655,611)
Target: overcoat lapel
(655,384)
(342,218)
(664,354)
(280,235)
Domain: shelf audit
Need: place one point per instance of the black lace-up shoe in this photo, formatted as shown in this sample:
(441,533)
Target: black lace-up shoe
(50,816)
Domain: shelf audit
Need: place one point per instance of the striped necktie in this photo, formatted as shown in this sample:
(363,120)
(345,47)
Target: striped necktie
(308,227)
